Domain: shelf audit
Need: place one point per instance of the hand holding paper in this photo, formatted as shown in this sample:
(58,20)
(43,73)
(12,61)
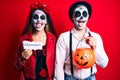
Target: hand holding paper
(29,46)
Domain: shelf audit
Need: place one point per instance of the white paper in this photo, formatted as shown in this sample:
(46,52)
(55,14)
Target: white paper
(32,45)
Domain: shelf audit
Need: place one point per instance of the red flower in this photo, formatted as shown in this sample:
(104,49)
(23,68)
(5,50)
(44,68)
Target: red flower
(39,5)
(43,73)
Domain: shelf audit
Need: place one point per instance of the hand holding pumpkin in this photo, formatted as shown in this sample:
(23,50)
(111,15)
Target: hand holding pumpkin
(84,58)
(91,41)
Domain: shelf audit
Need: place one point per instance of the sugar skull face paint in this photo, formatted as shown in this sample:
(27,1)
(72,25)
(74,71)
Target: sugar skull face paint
(39,19)
(80,17)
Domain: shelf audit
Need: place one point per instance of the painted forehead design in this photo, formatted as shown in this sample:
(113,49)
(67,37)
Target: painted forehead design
(81,8)
(39,12)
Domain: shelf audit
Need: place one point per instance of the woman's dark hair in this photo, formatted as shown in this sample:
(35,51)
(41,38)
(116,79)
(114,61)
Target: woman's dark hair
(76,4)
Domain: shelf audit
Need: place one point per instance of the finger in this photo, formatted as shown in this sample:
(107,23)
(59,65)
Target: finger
(88,37)
(29,53)
(26,53)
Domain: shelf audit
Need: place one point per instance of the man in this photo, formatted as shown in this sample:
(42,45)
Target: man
(79,37)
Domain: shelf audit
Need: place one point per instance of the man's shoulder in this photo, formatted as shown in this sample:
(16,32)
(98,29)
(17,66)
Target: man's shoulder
(64,34)
(96,35)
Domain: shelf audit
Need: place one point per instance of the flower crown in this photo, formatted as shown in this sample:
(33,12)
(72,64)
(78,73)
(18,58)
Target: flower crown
(39,5)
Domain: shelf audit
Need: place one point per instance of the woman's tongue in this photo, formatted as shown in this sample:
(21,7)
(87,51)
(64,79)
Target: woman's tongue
(39,25)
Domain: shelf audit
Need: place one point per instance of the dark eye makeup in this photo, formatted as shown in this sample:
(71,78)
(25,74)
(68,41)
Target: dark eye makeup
(84,13)
(41,17)
(35,16)
(79,14)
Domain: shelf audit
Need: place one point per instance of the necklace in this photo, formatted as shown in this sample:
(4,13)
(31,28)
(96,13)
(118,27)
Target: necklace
(81,40)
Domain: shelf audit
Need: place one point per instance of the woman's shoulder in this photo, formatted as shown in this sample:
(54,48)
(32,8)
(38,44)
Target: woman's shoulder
(49,34)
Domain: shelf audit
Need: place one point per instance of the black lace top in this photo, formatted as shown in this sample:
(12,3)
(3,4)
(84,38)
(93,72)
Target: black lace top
(40,63)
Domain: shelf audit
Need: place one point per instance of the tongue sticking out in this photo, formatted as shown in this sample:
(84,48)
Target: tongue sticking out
(39,25)
(80,24)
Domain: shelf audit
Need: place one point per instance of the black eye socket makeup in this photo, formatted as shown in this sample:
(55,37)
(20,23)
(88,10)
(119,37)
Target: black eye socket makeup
(35,16)
(84,13)
(42,17)
(79,14)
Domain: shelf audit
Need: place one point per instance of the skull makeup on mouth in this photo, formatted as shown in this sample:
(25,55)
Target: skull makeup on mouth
(80,17)
(39,19)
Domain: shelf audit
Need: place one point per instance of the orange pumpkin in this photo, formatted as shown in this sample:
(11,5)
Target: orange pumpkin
(84,58)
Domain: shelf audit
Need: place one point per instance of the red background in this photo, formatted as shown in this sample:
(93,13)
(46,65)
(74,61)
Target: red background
(104,20)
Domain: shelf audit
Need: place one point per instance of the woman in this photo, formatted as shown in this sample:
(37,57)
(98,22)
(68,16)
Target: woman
(37,64)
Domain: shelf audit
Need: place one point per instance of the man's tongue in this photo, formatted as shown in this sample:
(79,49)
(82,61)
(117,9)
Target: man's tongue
(80,24)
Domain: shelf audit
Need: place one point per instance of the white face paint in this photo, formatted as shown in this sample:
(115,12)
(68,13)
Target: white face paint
(39,19)
(80,17)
